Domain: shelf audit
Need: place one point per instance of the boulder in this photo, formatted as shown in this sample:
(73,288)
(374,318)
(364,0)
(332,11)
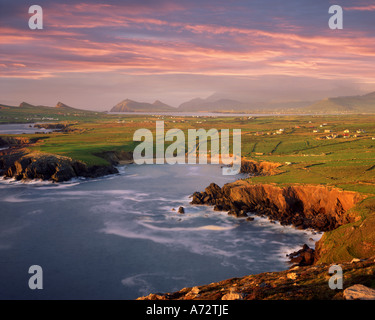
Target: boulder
(302,257)
(233,294)
(359,292)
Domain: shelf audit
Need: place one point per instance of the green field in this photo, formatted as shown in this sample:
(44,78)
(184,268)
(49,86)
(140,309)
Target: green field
(305,157)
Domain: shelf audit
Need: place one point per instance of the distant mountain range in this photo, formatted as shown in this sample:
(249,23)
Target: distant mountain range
(349,104)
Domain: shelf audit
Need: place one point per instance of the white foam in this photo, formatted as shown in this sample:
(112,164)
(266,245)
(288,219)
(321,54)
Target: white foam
(187,229)
(36,182)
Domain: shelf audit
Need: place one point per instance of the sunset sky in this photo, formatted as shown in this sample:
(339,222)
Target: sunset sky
(93,54)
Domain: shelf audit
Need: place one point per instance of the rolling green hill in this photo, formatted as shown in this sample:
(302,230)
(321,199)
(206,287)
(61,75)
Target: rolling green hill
(27,112)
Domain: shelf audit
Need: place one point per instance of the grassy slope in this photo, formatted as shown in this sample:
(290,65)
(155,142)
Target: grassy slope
(346,163)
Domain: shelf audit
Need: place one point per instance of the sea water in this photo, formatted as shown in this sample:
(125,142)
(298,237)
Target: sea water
(117,237)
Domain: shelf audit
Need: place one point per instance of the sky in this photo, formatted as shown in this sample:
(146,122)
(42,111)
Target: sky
(94,54)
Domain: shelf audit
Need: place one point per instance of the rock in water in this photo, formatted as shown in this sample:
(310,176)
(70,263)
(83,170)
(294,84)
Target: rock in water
(181,210)
(303,257)
(359,292)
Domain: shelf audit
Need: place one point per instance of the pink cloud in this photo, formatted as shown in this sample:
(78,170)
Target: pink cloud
(361,8)
(241,51)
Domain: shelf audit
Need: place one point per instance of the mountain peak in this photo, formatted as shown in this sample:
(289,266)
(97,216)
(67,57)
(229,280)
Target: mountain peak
(158,103)
(24,104)
(61,105)
(128,105)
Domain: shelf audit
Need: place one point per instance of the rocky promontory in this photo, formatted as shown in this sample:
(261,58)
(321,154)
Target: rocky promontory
(17,161)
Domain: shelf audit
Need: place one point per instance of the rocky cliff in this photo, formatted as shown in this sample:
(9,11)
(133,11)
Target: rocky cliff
(304,206)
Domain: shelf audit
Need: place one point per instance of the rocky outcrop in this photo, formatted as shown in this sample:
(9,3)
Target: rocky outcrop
(304,206)
(300,283)
(24,166)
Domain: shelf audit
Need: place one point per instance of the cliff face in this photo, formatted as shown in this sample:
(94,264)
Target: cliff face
(316,207)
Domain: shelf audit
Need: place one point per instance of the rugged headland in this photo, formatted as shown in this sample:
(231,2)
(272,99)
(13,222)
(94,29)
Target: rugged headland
(344,216)
(22,165)
(18,162)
